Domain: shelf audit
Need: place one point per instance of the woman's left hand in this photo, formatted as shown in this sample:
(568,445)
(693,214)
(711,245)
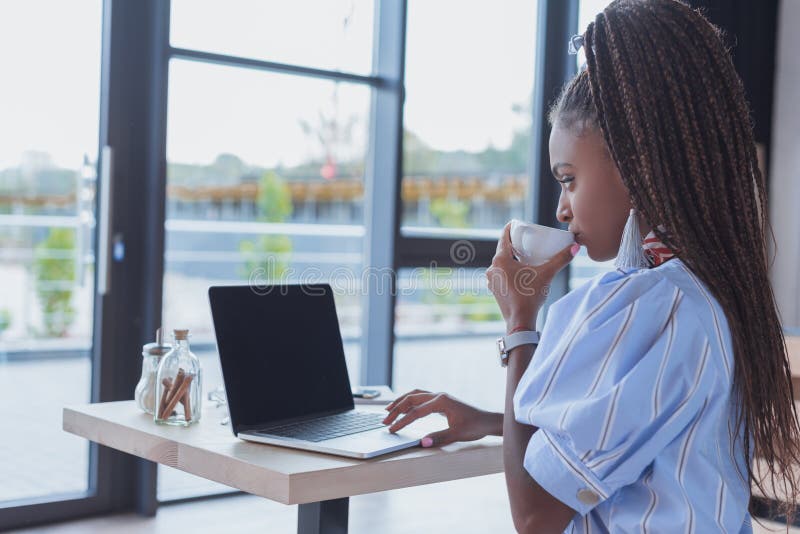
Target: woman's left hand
(519,289)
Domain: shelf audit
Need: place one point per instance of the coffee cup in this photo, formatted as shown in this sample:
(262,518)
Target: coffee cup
(535,244)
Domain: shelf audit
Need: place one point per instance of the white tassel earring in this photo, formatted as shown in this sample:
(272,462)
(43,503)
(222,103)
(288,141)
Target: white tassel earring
(631,253)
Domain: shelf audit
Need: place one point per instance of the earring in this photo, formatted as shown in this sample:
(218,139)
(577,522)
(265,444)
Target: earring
(631,253)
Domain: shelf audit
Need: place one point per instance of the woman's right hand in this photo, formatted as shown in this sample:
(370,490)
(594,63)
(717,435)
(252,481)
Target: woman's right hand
(464,422)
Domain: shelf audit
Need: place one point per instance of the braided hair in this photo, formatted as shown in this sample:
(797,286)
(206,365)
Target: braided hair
(660,85)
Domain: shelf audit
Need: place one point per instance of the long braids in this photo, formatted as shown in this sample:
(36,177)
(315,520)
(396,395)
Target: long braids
(662,88)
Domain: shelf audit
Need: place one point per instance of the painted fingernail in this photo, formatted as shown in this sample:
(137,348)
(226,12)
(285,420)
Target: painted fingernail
(427,442)
(575,248)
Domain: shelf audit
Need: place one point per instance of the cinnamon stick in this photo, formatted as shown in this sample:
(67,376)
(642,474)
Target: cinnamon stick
(167,383)
(181,390)
(173,390)
(187,406)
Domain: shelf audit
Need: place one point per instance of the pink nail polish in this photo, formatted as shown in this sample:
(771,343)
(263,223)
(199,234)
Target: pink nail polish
(575,248)
(427,442)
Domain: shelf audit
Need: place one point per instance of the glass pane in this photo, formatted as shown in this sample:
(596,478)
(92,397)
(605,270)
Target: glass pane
(582,268)
(332,35)
(587,11)
(49,103)
(264,180)
(446,326)
(468,113)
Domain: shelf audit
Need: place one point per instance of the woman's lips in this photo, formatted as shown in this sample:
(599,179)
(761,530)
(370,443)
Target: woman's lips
(578,239)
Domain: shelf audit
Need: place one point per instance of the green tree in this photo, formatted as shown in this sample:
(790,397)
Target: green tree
(450,213)
(267,252)
(5,320)
(54,268)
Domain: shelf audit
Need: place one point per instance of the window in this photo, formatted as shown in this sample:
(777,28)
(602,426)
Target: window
(333,35)
(49,135)
(467,148)
(265,169)
(468,114)
(271,143)
(446,326)
(583,267)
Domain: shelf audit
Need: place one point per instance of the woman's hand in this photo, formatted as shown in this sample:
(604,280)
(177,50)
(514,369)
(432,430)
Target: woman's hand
(519,289)
(465,423)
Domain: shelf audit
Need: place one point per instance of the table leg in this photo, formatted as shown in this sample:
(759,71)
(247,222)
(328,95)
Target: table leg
(324,517)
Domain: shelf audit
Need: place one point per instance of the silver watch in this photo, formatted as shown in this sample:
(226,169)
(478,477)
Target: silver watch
(506,343)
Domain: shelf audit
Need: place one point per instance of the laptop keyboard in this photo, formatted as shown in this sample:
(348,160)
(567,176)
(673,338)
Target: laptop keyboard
(328,427)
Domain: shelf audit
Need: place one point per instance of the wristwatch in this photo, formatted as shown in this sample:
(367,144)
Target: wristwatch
(506,343)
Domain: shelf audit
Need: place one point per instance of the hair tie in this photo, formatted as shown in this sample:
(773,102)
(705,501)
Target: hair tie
(575,43)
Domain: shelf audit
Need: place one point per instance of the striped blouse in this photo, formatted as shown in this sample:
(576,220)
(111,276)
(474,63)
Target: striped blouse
(631,391)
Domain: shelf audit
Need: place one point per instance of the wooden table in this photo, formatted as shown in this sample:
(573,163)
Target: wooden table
(321,484)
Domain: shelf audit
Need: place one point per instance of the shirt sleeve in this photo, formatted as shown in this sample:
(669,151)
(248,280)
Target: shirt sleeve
(621,372)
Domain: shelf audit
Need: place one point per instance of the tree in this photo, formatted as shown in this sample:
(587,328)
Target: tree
(5,320)
(265,253)
(450,213)
(54,268)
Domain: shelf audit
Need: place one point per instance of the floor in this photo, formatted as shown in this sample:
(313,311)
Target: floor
(476,505)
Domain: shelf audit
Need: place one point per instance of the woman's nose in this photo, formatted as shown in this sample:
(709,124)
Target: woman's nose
(563,212)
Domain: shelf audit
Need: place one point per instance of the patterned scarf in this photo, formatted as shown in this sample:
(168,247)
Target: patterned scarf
(655,251)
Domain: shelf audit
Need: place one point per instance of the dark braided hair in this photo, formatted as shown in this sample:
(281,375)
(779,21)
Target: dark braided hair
(660,85)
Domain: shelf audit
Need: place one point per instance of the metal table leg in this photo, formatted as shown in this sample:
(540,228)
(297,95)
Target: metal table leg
(324,517)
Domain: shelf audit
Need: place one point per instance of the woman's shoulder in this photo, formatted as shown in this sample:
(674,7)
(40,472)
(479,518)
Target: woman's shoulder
(669,292)
(610,291)
(623,286)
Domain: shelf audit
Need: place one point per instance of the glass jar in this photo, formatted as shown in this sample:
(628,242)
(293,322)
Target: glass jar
(179,393)
(145,393)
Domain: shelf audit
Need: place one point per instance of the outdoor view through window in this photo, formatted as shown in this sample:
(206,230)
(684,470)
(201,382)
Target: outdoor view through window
(49,102)
(265,181)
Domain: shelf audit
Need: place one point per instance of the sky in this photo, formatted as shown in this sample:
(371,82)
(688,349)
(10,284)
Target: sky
(468,63)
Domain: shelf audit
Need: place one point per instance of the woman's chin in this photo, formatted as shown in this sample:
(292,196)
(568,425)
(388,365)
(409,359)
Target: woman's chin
(599,256)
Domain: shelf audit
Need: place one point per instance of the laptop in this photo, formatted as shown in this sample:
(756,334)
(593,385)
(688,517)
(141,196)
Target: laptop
(285,374)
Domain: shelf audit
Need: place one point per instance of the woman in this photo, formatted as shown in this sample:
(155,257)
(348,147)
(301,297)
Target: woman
(652,386)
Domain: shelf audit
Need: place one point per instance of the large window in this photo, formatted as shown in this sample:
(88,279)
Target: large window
(49,136)
(467,117)
(265,168)
(446,326)
(333,35)
(248,142)
(467,149)
(582,268)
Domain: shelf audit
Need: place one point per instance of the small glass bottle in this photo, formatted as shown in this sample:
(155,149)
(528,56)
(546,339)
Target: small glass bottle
(145,394)
(179,385)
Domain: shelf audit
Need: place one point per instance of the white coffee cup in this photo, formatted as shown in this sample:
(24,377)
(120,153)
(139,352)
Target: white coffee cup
(535,244)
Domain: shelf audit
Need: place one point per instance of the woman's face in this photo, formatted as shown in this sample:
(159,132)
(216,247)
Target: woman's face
(594,201)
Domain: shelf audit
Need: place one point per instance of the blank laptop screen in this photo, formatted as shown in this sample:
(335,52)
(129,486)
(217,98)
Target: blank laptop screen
(281,352)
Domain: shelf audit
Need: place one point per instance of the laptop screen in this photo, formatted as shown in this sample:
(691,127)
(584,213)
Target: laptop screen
(281,352)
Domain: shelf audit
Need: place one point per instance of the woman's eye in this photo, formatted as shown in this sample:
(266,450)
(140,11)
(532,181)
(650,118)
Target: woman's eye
(566,179)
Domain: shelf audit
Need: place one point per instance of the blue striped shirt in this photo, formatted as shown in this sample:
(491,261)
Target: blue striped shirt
(631,388)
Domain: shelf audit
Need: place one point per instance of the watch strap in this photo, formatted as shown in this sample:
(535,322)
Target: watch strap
(510,341)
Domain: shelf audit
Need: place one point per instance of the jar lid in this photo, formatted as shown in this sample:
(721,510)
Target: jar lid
(156,349)
(181,333)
